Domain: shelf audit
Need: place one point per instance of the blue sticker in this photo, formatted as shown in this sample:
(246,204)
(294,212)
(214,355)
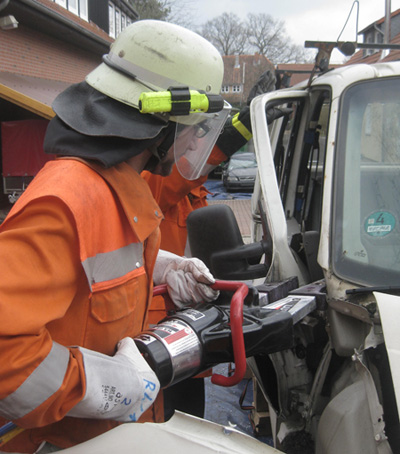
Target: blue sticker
(380,223)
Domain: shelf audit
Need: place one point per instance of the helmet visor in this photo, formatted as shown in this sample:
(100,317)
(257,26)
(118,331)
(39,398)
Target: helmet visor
(195,137)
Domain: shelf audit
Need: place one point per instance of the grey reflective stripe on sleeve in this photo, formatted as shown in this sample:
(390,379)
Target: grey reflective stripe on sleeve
(43,382)
(112,265)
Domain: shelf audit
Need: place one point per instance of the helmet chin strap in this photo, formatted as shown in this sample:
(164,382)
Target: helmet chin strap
(168,141)
(151,163)
(160,152)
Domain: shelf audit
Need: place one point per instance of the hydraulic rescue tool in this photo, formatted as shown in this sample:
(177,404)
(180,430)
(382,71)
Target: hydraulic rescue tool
(194,339)
(237,325)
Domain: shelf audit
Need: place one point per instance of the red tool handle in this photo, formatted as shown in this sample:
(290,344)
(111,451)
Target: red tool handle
(163,291)
(236,322)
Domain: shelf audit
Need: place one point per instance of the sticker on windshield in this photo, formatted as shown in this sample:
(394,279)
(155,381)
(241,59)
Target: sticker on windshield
(380,223)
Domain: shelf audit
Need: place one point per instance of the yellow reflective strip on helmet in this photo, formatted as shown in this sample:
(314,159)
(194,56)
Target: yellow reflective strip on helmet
(241,128)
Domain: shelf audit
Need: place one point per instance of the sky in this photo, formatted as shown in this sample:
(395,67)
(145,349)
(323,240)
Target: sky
(305,20)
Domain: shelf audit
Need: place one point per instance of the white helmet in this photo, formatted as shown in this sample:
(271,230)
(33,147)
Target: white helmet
(154,56)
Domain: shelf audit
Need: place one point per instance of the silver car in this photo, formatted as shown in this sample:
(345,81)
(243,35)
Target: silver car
(240,172)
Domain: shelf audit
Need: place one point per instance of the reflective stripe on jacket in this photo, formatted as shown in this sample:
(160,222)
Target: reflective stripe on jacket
(75,255)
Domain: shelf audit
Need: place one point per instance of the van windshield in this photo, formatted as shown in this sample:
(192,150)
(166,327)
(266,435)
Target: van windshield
(366,213)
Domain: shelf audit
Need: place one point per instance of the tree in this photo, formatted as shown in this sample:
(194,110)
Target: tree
(152,9)
(268,37)
(259,33)
(175,11)
(264,33)
(294,53)
(181,12)
(227,33)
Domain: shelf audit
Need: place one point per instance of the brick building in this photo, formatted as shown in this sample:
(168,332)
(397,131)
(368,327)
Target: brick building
(241,73)
(291,74)
(374,34)
(45,46)
(52,46)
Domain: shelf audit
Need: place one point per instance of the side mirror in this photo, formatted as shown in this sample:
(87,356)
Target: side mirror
(215,238)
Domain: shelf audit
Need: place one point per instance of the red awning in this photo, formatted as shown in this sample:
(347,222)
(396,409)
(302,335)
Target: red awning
(22,147)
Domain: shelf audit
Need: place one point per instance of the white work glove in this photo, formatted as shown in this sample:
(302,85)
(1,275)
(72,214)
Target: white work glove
(119,387)
(188,280)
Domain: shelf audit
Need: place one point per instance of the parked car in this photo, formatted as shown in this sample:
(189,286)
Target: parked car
(239,174)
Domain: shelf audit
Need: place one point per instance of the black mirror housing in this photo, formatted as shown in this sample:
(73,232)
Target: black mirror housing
(215,238)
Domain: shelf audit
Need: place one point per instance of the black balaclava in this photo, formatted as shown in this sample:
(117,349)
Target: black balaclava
(93,126)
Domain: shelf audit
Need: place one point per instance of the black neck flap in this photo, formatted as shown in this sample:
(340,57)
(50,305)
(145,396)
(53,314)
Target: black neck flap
(61,140)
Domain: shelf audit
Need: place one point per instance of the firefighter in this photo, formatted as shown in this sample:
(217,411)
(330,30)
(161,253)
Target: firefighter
(177,198)
(80,248)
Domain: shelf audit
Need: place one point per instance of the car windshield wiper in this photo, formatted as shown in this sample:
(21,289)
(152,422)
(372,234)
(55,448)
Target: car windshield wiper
(383,289)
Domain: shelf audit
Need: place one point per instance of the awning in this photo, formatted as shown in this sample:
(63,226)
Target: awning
(31,93)
(18,159)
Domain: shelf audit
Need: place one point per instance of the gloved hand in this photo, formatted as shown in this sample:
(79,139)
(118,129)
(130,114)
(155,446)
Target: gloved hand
(188,280)
(265,83)
(119,387)
(237,130)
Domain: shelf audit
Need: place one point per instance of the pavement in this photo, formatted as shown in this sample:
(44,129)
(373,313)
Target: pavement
(239,202)
(223,404)
(232,407)
(242,210)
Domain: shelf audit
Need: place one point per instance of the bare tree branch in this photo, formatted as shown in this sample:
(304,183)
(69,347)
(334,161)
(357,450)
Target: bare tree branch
(176,11)
(152,9)
(260,33)
(268,37)
(181,12)
(227,33)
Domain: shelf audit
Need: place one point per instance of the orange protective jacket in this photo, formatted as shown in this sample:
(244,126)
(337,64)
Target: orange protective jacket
(76,254)
(177,198)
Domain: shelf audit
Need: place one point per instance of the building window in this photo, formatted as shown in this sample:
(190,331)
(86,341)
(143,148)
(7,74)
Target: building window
(117,22)
(111,20)
(63,3)
(83,9)
(73,6)
(370,40)
(78,7)
(225,89)
(236,88)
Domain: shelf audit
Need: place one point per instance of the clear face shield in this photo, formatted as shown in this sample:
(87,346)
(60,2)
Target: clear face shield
(195,137)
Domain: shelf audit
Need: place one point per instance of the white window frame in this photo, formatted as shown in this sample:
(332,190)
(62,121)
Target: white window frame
(111,19)
(117,21)
(73,9)
(80,7)
(83,6)
(62,3)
